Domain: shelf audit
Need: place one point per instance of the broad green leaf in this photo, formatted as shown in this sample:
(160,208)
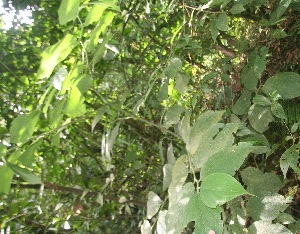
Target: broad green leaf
(104,22)
(23,127)
(261,100)
(260,117)
(55,54)
(213,143)
(289,159)
(286,84)
(266,206)
(237,8)
(243,104)
(68,11)
(227,161)
(213,29)
(95,14)
(174,66)
(153,204)
(281,8)
(222,22)
(179,175)
(101,48)
(26,175)
(219,188)
(173,115)
(263,227)
(75,105)
(277,110)
(258,183)
(175,221)
(205,218)
(28,157)
(6,176)
(206,123)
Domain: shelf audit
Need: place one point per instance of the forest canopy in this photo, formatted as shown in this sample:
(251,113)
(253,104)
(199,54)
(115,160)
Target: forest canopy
(151,116)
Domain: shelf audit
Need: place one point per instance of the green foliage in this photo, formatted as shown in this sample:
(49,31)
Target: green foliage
(184,105)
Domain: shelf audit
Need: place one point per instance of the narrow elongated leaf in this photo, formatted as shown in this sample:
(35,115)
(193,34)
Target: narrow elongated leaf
(68,11)
(23,127)
(219,188)
(286,84)
(26,175)
(55,54)
(6,176)
(213,29)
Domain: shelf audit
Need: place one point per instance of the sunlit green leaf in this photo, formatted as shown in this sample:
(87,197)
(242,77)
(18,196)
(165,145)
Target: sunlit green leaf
(75,105)
(219,188)
(104,22)
(6,176)
(261,100)
(28,157)
(289,159)
(55,54)
(25,174)
(23,127)
(95,14)
(68,11)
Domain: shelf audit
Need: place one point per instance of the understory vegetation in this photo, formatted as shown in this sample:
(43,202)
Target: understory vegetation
(151,116)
